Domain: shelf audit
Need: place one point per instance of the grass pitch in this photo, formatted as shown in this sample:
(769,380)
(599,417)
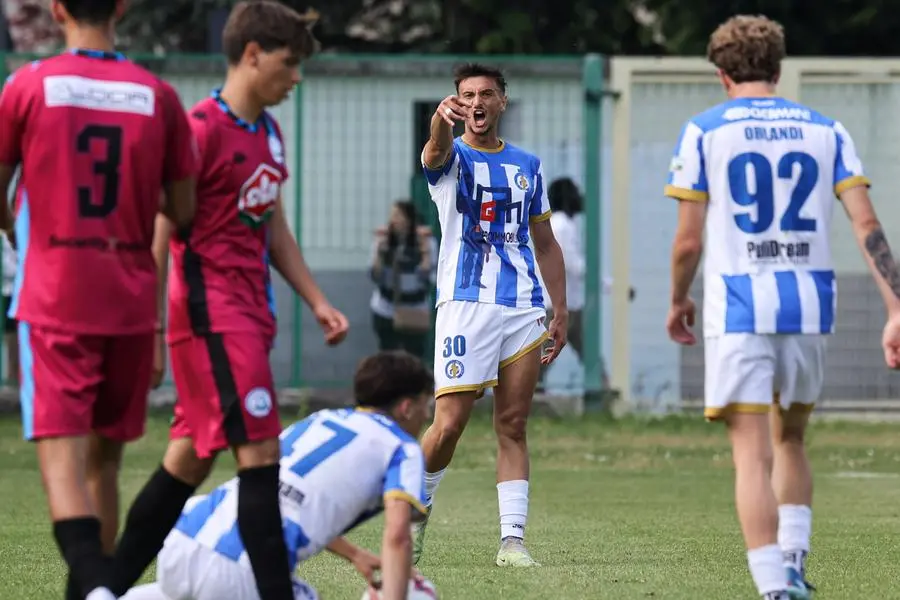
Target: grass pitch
(626,509)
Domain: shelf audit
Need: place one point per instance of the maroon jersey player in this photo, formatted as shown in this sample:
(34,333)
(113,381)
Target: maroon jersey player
(221,325)
(99,139)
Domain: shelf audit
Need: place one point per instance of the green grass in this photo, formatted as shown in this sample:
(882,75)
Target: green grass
(628,509)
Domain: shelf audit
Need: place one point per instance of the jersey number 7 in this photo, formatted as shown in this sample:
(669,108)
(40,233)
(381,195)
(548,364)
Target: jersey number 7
(107,167)
(303,465)
(762,193)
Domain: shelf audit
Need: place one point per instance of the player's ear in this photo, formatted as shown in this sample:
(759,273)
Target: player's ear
(59,12)
(503,103)
(121,5)
(251,54)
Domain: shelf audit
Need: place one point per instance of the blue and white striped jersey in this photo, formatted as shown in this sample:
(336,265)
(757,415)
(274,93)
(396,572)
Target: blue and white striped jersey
(337,467)
(486,200)
(769,169)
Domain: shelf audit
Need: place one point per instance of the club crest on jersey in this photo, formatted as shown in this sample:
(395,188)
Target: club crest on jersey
(454,369)
(256,200)
(521,181)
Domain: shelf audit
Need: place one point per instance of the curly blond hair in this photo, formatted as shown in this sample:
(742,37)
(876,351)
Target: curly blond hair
(748,48)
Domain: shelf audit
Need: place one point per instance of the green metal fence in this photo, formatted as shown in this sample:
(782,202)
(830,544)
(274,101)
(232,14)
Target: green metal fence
(353,133)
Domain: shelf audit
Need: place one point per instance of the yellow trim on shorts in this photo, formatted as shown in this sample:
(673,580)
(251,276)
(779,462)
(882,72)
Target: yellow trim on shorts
(718,414)
(478,388)
(850,183)
(526,350)
(541,217)
(401,495)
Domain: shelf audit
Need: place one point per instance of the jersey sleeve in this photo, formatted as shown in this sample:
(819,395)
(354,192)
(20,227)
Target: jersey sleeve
(12,124)
(443,173)
(540,203)
(182,154)
(687,171)
(848,167)
(203,135)
(405,477)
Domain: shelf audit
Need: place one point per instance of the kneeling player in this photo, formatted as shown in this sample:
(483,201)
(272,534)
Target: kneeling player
(338,468)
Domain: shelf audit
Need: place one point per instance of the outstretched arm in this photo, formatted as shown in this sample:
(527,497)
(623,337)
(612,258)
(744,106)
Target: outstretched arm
(440,144)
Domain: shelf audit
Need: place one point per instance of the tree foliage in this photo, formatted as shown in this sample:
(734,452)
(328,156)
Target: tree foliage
(837,27)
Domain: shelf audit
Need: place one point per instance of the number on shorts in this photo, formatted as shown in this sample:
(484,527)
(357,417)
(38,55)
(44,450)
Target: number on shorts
(341,438)
(455,346)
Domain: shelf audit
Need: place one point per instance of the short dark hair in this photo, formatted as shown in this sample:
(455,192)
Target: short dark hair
(270,24)
(469,70)
(93,12)
(383,379)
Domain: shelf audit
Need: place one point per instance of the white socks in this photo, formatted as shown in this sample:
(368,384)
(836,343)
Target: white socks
(431,484)
(101,594)
(794,531)
(513,500)
(767,569)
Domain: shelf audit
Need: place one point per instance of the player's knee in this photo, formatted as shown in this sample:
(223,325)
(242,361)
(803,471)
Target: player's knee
(182,463)
(791,434)
(449,430)
(258,454)
(511,425)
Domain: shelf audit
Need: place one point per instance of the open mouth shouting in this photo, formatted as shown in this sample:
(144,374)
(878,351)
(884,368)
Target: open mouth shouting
(479,117)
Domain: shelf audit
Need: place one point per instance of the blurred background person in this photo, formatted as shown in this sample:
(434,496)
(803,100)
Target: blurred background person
(404,258)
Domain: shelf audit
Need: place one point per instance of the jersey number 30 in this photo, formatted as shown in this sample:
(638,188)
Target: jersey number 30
(760,190)
(108,167)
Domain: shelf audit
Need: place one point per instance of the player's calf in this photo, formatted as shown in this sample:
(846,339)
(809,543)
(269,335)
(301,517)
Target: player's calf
(259,518)
(156,510)
(755,500)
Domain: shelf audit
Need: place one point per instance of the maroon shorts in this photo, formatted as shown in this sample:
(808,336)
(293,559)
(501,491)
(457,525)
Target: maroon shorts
(74,384)
(226,394)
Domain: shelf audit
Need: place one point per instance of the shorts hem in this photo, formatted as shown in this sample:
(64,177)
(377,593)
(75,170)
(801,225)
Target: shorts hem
(718,414)
(526,350)
(721,413)
(478,388)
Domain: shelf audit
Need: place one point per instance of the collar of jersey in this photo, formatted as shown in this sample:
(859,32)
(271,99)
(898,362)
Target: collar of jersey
(98,54)
(242,123)
(480,149)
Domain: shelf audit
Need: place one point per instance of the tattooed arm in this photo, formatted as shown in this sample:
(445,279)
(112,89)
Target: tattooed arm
(876,250)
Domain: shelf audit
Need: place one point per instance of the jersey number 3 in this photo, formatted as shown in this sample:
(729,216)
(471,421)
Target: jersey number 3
(88,206)
(752,182)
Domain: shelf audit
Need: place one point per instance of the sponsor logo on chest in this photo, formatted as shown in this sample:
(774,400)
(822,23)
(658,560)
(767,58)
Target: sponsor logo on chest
(256,200)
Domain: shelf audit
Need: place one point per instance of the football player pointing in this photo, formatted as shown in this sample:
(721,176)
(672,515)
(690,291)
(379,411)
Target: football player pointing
(495,225)
(221,318)
(758,175)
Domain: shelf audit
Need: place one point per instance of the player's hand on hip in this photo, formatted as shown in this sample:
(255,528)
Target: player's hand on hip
(890,342)
(680,320)
(159,360)
(332,322)
(453,108)
(559,332)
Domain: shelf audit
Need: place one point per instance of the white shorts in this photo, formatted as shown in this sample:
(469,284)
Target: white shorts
(188,570)
(746,372)
(474,340)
